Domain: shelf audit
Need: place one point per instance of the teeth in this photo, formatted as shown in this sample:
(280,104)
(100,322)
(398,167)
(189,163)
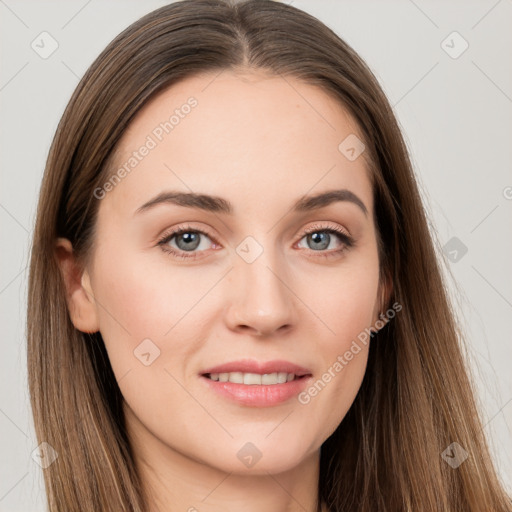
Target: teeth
(253,378)
(269,378)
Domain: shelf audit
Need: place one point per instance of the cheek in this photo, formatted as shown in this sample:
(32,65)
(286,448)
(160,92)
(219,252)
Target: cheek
(343,299)
(146,296)
(149,321)
(145,308)
(344,302)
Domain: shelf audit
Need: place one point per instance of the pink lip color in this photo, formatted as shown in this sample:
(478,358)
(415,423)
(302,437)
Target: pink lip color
(252,366)
(258,395)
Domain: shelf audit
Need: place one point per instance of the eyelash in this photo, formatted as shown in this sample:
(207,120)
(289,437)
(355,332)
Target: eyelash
(346,240)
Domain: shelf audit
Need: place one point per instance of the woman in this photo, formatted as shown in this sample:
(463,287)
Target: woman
(246,309)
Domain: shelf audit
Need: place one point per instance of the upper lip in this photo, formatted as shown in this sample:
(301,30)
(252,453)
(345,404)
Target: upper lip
(253,366)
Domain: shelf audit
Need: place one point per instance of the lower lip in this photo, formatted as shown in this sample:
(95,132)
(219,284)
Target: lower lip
(255,395)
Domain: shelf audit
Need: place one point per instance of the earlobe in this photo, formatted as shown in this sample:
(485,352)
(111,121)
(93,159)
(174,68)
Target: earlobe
(387,291)
(79,294)
(384,297)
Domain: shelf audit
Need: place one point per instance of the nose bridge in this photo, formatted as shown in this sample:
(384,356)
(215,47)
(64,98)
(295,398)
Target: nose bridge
(262,300)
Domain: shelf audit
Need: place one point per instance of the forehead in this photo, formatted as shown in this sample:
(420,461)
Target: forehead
(246,135)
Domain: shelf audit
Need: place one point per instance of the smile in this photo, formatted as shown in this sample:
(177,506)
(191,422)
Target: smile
(253,378)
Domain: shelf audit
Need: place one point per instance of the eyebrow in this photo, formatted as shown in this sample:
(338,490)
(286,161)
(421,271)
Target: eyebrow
(217,204)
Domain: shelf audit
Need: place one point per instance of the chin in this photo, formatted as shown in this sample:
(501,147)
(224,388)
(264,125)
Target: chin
(260,458)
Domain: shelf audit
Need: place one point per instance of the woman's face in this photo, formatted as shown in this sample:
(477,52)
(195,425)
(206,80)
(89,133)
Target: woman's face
(244,282)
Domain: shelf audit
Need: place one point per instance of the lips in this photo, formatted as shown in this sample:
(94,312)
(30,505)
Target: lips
(261,368)
(256,384)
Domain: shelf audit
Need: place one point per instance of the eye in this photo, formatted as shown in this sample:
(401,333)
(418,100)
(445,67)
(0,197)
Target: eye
(186,239)
(320,238)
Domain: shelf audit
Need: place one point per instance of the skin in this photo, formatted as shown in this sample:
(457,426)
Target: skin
(262,143)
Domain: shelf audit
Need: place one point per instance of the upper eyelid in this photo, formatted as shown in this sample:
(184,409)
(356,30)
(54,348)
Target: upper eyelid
(173,232)
(319,227)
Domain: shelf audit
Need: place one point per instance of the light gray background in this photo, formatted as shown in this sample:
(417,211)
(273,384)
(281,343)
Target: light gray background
(456,115)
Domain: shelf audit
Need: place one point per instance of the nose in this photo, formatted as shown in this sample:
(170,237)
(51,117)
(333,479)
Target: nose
(262,301)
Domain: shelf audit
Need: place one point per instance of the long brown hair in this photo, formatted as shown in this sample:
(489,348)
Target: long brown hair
(416,397)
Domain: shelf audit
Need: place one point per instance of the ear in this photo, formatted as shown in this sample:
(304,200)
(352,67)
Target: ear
(386,288)
(384,296)
(79,296)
